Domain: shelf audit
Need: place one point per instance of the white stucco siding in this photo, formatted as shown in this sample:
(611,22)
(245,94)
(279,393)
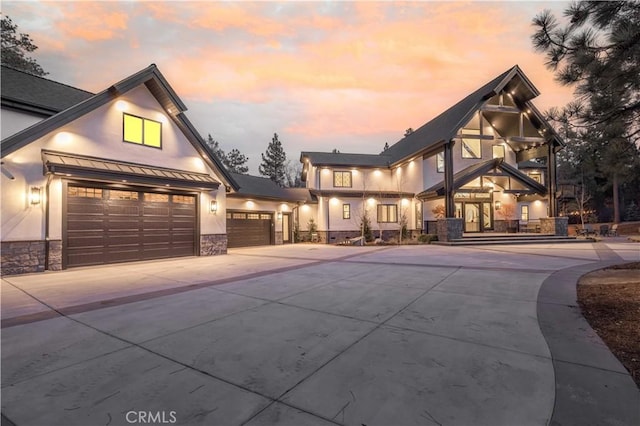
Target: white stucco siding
(306,212)
(361,179)
(98,134)
(12,122)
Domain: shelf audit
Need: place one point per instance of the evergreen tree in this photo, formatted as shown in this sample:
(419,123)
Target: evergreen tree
(236,162)
(15,47)
(214,148)
(274,162)
(598,53)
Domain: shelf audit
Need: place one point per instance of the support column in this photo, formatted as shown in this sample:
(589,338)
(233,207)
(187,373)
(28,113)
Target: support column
(449,206)
(551,172)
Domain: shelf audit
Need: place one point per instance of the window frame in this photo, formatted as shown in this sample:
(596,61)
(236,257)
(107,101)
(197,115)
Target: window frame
(468,154)
(124,114)
(342,173)
(439,160)
(504,151)
(346,211)
(524,213)
(389,208)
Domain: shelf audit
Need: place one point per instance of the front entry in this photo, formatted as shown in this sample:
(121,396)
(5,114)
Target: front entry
(478,216)
(286,228)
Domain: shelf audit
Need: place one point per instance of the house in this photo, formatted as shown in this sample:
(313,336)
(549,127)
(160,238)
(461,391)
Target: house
(262,213)
(118,176)
(481,164)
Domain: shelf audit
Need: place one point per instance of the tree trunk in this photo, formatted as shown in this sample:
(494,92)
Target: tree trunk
(616,200)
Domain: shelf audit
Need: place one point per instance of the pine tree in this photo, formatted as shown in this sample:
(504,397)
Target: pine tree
(15,46)
(274,162)
(214,148)
(598,53)
(236,162)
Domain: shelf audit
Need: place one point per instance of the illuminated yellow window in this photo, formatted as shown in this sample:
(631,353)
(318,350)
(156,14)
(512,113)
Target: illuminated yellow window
(142,131)
(132,129)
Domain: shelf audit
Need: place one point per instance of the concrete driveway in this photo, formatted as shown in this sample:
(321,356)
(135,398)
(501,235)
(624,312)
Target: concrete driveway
(315,335)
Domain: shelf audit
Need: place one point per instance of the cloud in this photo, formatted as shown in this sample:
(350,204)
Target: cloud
(338,71)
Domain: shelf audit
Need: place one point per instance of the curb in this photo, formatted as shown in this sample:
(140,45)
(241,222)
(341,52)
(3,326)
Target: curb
(592,386)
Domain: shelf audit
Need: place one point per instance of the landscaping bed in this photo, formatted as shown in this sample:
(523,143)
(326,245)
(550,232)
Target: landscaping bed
(610,301)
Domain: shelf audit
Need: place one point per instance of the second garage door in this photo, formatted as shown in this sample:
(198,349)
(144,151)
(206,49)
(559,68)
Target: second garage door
(245,229)
(111,225)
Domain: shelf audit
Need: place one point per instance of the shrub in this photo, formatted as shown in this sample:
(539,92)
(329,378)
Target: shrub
(427,238)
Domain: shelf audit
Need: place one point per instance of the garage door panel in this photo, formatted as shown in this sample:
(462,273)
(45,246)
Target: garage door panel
(131,225)
(243,230)
(85,241)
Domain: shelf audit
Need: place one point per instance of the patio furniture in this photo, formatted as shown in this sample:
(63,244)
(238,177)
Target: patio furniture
(586,231)
(604,230)
(613,232)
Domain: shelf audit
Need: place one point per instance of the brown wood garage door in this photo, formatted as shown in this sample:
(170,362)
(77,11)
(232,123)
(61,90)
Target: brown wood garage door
(111,225)
(246,229)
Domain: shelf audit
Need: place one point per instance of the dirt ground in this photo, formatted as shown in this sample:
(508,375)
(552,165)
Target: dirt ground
(610,301)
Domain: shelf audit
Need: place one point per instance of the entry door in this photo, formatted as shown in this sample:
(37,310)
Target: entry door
(487,217)
(286,228)
(471,217)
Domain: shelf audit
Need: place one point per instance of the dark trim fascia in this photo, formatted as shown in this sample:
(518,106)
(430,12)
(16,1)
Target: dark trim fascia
(361,194)
(16,105)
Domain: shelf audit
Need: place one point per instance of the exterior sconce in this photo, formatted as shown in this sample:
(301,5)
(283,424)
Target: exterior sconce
(279,215)
(498,205)
(213,206)
(34,195)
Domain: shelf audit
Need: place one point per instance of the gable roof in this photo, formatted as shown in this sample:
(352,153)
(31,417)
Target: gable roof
(265,188)
(429,138)
(39,95)
(346,159)
(445,126)
(466,175)
(155,82)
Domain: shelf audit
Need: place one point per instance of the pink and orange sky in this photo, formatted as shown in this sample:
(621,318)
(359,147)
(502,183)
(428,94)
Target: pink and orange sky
(323,75)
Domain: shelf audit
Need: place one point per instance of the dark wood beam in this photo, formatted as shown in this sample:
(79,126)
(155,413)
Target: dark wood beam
(551,173)
(449,205)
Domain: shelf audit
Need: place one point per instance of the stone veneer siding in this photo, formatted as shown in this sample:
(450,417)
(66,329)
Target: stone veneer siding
(450,229)
(554,225)
(213,244)
(22,257)
(54,261)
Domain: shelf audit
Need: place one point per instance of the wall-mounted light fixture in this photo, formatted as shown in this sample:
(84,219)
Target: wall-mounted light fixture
(498,205)
(279,215)
(213,206)
(34,195)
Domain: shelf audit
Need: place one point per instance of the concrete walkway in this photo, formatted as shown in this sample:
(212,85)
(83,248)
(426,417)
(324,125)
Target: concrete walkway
(318,335)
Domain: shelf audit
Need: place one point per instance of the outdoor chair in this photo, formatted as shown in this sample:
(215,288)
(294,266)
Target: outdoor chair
(613,232)
(586,231)
(604,230)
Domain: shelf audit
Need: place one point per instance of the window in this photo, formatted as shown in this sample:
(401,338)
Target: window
(419,215)
(536,177)
(498,151)
(342,179)
(387,213)
(346,211)
(524,213)
(122,195)
(440,162)
(77,191)
(185,199)
(471,148)
(142,131)
(156,198)
(254,216)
